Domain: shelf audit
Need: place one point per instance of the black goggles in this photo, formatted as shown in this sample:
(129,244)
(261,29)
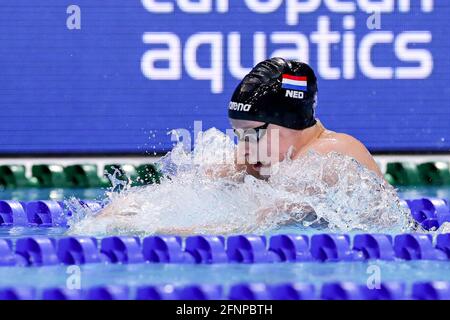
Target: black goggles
(251,134)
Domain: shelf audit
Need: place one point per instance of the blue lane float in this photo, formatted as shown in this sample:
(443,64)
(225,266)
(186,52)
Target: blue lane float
(158,292)
(111,292)
(328,248)
(282,291)
(7,257)
(39,213)
(249,291)
(207,249)
(430,213)
(435,290)
(36,251)
(333,247)
(431,290)
(200,292)
(342,291)
(292,291)
(18,293)
(417,247)
(355,291)
(12,213)
(386,291)
(290,248)
(122,249)
(248,249)
(374,246)
(62,294)
(443,243)
(78,250)
(46,213)
(163,249)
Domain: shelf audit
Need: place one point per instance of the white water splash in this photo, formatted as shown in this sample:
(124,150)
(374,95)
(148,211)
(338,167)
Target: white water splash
(332,192)
(444,228)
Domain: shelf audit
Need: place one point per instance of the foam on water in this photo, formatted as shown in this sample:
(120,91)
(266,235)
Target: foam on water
(332,192)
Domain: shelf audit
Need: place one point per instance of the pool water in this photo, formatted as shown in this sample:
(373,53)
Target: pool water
(134,275)
(29,194)
(226,274)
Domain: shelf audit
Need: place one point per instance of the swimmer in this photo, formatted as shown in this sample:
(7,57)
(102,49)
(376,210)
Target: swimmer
(280,96)
(277,99)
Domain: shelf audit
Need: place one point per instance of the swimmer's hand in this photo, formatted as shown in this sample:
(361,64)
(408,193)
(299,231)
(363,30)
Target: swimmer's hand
(230,170)
(294,213)
(225,171)
(202,230)
(128,208)
(219,171)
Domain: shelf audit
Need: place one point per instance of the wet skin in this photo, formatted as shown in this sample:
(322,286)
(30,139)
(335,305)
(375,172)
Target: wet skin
(316,138)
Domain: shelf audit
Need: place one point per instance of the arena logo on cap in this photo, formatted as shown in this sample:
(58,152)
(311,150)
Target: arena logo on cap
(238,106)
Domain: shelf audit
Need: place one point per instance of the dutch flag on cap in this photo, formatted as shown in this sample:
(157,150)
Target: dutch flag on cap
(294,83)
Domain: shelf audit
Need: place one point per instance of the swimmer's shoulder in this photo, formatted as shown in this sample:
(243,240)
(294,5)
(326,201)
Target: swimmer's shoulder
(343,143)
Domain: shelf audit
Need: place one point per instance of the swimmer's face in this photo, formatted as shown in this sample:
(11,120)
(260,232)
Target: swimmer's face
(260,145)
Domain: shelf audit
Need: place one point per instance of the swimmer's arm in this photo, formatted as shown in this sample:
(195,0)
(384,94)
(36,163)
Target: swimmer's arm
(263,215)
(111,211)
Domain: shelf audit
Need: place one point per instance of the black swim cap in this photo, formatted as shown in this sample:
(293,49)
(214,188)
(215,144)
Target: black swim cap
(277,91)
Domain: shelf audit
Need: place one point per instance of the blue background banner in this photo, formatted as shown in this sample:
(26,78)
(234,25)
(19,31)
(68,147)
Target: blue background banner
(115,76)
